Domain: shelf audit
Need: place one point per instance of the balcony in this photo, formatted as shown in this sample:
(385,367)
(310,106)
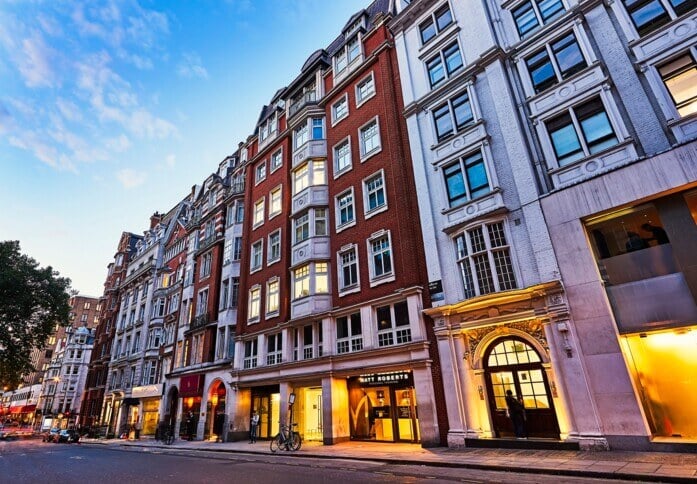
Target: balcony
(312,196)
(235,189)
(315,148)
(310,98)
(138,272)
(310,305)
(209,242)
(310,249)
(199,321)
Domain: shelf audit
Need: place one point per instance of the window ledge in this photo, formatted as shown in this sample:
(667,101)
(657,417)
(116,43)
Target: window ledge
(590,166)
(340,228)
(350,290)
(376,211)
(382,280)
(367,156)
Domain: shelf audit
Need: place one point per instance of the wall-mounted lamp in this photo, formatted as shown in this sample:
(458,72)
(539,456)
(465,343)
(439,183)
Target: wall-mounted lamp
(480,390)
(563,328)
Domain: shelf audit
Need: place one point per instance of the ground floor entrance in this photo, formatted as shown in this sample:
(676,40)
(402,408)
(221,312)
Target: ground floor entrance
(267,401)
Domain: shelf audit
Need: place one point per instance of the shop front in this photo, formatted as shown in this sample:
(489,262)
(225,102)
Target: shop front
(382,407)
(149,396)
(267,401)
(190,391)
(216,417)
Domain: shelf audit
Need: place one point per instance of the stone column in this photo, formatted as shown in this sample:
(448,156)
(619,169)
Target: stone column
(335,410)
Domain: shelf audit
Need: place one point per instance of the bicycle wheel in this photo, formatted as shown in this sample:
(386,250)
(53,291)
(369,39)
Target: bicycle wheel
(276,442)
(296,441)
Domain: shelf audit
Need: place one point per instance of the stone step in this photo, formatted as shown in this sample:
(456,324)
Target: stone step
(531,443)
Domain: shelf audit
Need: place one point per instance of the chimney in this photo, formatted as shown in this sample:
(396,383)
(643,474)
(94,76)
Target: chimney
(155,219)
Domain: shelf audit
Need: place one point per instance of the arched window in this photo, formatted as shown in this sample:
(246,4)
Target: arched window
(512,352)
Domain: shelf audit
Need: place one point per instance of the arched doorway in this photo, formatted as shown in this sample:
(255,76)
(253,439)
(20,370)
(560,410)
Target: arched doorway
(510,363)
(172,404)
(215,412)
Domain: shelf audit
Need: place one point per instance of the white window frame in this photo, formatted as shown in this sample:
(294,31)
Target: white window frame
(340,171)
(274,357)
(362,99)
(447,75)
(275,199)
(352,342)
(254,304)
(259,212)
(337,210)
(367,211)
(310,280)
(269,251)
(361,142)
(351,288)
(278,154)
(256,246)
(305,128)
(376,280)
(342,100)
(251,357)
(260,172)
(273,297)
(344,52)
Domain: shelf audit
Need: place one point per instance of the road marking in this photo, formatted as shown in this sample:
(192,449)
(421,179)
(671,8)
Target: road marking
(77,457)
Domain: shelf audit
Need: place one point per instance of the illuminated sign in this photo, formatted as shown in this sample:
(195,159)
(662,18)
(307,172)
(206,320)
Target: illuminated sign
(403,378)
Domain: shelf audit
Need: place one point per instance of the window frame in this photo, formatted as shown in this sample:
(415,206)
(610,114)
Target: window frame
(433,20)
(254,304)
(443,63)
(275,198)
(259,214)
(271,310)
(361,99)
(376,279)
(270,258)
(339,226)
(463,165)
(342,100)
(367,211)
(256,246)
(278,154)
(340,171)
(548,49)
(260,172)
(541,21)
(354,286)
(364,155)
(456,127)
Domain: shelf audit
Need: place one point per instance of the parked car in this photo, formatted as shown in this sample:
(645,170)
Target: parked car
(50,435)
(68,436)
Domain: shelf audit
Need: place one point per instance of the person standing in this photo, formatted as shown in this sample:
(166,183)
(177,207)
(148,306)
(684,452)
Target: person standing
(253,425)
(516,412)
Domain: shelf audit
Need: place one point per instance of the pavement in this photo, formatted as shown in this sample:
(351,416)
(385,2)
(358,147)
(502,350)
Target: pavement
(636,466)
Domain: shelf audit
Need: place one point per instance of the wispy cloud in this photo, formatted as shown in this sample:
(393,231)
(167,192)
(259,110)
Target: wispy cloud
(32,142)
(119,144)
(191,66)
(35,63)
(69,109)
(130,178)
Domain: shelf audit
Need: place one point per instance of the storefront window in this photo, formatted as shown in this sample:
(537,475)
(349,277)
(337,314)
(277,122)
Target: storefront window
(663,367)
(691,199)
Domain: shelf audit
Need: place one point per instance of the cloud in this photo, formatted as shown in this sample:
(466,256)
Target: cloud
(170,160)
(119,144)
(31,141)
(130,178)
(191,66)
(35,63)
(68,109)
(49,25)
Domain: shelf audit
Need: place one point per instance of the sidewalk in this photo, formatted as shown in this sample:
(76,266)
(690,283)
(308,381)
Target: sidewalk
(639,466)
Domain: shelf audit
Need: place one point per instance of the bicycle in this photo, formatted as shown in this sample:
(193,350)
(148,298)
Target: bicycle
(168,436)
(286,439)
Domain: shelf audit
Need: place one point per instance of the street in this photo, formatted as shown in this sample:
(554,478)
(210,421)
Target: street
(32,461)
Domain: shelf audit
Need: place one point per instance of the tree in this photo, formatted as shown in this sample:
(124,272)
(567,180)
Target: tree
(32,301)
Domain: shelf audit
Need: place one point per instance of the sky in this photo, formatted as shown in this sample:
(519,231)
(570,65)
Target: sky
(113,110)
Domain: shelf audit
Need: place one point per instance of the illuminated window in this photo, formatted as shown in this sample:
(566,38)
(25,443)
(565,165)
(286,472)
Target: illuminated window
(680,77)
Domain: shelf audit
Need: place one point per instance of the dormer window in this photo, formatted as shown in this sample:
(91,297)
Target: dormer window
(268,129)
(357,24)
(345,58)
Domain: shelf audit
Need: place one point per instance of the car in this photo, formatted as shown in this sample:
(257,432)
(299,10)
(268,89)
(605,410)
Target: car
(50,435)
(68,436)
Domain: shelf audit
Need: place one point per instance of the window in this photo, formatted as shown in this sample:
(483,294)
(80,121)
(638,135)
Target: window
(268,129)
(531,14)
(453,116)
(275,202)
(348,269)
(272,294)
(276,160)
(260,172)
(393,324)
(206,262)
(274,251)
(257,255)
(380,256)
(344,208)
(227,251)
(581,131)
(369,136)
(444,64)
(250,354)
(348,334)
(239,212)
(680,77)
(155,338)
(301,135)
(274,349)
(302,227)
(345,58)
(301,282)
(254,304)
(321,278)
(365,89)
(435,24)
(235,292)
(224,294)
(237,248)
(307,340)
(374,189)
(158,308)
(202,302)
(466,179)
(311,173)
(342,156)
(259,212)
(484,260)
(649,15)
(317,128)
(340,109)
(320,215)
(555,62)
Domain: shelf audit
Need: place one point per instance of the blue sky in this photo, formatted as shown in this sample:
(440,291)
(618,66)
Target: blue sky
(112,110)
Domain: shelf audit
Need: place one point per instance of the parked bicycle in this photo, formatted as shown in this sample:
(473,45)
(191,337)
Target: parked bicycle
(286,439)
(165,434)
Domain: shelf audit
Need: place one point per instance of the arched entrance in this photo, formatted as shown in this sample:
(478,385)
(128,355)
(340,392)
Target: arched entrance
(215,411)
(512,364)
(172,404)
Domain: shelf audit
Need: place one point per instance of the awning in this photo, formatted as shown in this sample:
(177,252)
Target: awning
(191,386)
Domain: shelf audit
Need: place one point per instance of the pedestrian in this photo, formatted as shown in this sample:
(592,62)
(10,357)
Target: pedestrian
(516,412)
(657,233)
(190,425)
(253,425)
